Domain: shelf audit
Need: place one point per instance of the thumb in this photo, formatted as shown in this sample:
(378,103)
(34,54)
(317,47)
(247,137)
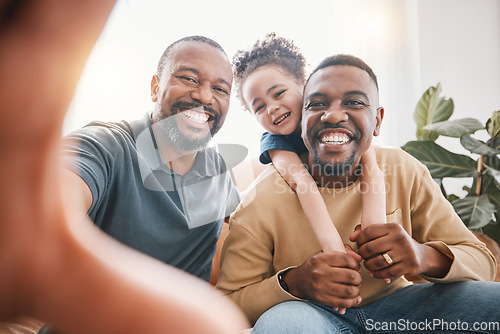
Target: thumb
(352,253)
(355,234)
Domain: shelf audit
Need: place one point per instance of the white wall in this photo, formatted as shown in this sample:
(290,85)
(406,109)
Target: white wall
(460,47)
(410,44)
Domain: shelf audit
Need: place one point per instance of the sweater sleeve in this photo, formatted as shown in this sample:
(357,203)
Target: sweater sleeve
(246,274)
(435,223)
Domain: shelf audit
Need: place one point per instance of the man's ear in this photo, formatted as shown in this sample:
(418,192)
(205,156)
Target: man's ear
(379,118)
(155,88)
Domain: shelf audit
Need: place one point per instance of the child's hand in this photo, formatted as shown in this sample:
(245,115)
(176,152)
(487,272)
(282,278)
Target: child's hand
(352,253)
(355,234)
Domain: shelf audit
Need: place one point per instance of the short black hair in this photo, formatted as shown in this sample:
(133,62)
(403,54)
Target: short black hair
(196,38)
(346,60)
(272,50)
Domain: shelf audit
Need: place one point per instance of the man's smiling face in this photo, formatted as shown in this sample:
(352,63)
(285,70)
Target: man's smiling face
(340,118)
(192,96)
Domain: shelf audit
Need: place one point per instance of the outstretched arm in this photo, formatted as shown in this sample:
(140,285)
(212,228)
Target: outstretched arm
(298,178)
(55,264)
(372,187)
(373,193)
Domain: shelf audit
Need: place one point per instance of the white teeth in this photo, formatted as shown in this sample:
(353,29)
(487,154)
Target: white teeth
(281,118)
(196,117)
(335,139)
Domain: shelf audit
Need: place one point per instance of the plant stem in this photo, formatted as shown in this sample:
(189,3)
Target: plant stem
(479,175)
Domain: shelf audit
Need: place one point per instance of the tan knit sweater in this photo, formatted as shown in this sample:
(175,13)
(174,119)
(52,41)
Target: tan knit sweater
(269,233)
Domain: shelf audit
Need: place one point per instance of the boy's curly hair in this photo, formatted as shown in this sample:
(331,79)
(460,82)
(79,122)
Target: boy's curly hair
(272,50)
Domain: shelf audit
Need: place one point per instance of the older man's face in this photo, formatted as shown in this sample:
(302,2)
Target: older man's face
(340,118)
(192,97)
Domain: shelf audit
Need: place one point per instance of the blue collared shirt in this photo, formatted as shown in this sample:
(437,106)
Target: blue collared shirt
(141,202)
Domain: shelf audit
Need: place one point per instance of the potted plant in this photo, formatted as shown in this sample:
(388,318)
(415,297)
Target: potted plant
(479,208)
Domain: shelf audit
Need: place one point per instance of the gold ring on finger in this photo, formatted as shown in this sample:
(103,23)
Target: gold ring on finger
(387,259)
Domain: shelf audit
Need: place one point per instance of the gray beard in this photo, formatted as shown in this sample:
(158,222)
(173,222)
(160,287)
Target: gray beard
(179,139)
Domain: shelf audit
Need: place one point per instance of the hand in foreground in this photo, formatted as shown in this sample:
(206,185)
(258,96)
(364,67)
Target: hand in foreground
(389,252)
(55,264)
(330,278)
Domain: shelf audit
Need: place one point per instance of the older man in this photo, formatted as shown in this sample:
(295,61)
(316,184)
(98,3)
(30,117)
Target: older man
(152,183)
(55,264)
(273,266)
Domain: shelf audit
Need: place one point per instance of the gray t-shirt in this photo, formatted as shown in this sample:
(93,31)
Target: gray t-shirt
(141,202)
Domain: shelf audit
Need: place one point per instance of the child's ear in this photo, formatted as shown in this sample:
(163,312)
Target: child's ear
(379,118)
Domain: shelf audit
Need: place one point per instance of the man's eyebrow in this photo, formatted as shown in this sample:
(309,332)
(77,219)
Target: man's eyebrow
(225,82)
(195,71)
(314,95)
(268,91)
(348,93)
(356,92)
(187,69)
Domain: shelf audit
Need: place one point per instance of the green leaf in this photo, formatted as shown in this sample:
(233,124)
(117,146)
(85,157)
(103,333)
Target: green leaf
(439,182)
(476,146)
(491,188)
(475,211)
(431,108)
(494,142)
(493,125)
(455,128)
(493,231)
(493,160)
(493,194)
(495,173)
(440,162)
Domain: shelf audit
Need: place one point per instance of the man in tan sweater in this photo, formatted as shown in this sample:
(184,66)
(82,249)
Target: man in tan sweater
(273,266)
